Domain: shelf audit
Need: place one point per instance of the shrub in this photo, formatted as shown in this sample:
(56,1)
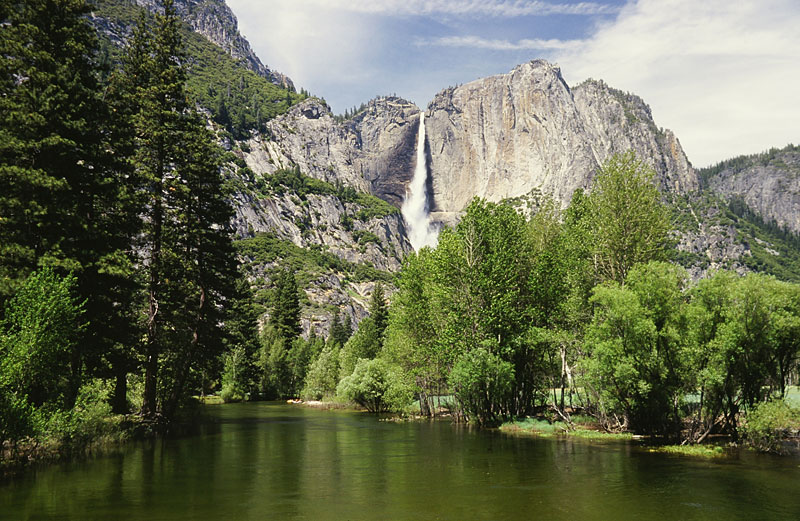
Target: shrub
(376,386)
(482,382)
(323,374)
(770,424)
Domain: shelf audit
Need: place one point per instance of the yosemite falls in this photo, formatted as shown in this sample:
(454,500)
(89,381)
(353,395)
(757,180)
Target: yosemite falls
(415,208)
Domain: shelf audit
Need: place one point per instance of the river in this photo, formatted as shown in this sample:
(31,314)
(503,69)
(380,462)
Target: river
(278,461)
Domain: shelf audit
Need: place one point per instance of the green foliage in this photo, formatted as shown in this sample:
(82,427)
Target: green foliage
(292,181)
(50,129)
(638,361)
(235,375)
(285,314)
(376,386)
(307,263)
(475,291)
(377,310)
(239,99)
(341,331)
(770,424)
(629,224)
(364,344)
(88,420)
(189,265)
(18,419)
(38,341)
(323,374)
(482,383)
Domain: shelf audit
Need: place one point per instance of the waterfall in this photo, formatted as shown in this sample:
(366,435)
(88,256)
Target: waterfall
(415,209)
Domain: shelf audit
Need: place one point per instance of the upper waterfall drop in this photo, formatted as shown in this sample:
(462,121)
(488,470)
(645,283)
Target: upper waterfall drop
(415,208)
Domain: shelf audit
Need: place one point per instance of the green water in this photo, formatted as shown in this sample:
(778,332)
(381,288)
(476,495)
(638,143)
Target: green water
(263,461)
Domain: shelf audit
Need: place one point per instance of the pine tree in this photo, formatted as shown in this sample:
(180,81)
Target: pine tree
(62,201)
(377,309)
(285,316)
(188,257)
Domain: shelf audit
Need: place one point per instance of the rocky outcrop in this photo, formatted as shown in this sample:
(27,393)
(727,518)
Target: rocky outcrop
(372,152)
(211,18)
(768,183)
(508,135)
(324,221)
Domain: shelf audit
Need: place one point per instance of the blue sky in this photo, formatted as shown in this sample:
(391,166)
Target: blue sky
(723,75)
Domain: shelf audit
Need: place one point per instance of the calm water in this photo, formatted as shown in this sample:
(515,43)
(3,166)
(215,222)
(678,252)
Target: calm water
(262,461)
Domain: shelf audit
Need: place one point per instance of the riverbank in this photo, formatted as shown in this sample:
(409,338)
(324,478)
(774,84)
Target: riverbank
(581,428)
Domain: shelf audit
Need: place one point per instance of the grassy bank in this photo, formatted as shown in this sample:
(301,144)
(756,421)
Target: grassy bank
(543,428)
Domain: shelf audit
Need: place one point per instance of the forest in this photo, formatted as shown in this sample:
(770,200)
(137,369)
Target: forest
(124,299)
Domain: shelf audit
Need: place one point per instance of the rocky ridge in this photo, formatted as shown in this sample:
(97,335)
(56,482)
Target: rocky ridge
(769,183)
(372,152)
(212,19)
(508,135)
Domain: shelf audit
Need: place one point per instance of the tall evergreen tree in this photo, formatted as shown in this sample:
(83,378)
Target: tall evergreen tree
(378,310)
(285,316)
(188,258)
(62,190)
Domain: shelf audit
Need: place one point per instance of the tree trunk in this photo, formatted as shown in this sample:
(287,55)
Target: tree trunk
(119,402)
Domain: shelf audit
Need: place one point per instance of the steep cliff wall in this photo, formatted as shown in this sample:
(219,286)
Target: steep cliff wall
(507,135)
(768,183)
(373,151)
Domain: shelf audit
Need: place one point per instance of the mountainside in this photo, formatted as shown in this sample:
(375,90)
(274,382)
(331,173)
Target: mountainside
(373,151)
(215,20)
(310,185)
(769,183)
(507,135)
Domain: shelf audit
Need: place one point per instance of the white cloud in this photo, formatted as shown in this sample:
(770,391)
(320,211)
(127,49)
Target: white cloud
(723,75)
(476,42)
(494,8)
(307,42)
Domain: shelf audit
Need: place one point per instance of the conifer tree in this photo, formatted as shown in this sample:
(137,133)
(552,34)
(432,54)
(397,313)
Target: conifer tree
(62,192)
(378,310)
(188,257)
(285,317)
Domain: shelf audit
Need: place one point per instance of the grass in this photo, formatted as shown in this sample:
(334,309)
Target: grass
(546,429)
(695,451)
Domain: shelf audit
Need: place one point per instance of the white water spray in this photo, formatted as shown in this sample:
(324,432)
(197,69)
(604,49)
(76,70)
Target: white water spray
(421,232)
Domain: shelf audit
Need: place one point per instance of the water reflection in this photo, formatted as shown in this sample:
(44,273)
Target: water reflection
(268,461)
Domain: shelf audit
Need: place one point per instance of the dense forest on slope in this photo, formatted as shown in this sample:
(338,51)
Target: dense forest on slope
(713,233)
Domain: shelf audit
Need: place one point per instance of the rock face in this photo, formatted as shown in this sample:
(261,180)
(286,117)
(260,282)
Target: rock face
(215,20)
(372,152)
(508,135)
(769,183)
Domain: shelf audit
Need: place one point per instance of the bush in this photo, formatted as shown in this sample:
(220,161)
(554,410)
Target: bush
(87,421)
(376,386)
(482,383)
(770,424)
(323,374)
(18,420)
(37,340)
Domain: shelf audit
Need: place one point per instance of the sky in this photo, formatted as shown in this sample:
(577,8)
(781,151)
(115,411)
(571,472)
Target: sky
(723,75)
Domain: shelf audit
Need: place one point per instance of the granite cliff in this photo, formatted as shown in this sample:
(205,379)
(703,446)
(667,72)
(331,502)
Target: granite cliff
(508,135)
(769,183)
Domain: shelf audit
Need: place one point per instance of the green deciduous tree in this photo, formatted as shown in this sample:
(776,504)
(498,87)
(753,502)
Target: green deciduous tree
(376,386)
(629,224)
(42,325)
(638,358)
